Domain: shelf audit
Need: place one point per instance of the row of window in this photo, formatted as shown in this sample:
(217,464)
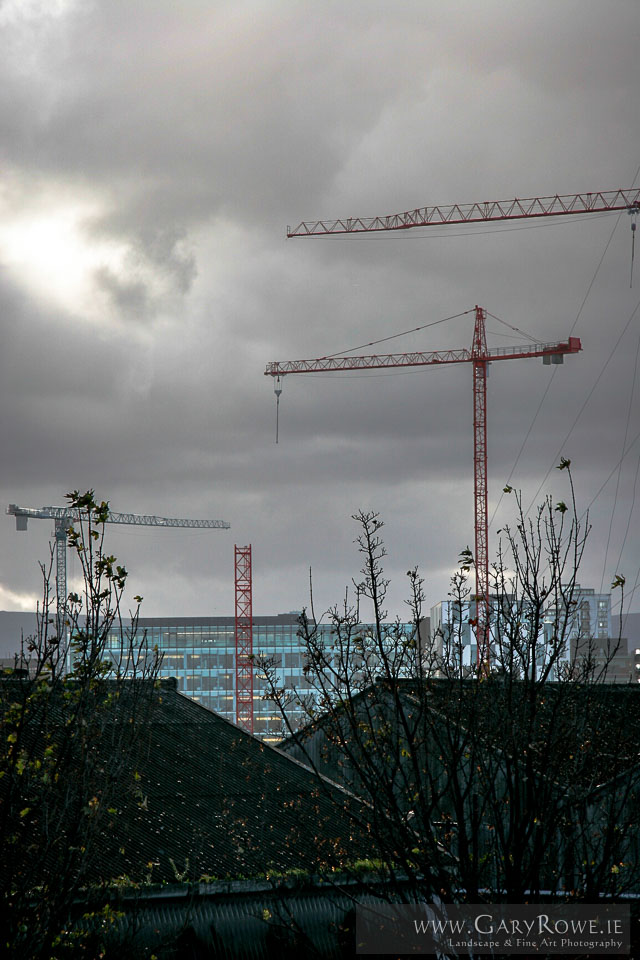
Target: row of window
(202,657)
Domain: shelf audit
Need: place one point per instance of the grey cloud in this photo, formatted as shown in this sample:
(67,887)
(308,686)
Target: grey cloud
(131,298)
(197,132)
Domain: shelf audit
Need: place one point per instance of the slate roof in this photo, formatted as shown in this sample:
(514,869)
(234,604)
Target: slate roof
(212,800)
(601,721)
(221,802)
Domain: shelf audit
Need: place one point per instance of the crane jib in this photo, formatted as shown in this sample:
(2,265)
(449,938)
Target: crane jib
(72,514)
(385,361)
(603,201)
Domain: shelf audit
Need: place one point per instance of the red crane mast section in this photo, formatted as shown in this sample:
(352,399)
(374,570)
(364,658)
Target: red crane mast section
(603,201)
(244,638)
(480,356)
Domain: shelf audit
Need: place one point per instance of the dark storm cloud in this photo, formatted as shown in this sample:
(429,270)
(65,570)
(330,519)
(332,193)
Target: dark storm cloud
(184,138)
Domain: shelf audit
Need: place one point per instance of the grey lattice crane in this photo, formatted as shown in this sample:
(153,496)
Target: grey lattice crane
(64,517)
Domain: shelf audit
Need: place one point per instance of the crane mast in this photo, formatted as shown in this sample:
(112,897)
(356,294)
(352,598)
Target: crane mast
(244,637)
(480,496)
(479,356)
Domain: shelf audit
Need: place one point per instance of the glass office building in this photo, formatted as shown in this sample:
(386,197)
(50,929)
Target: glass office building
(200,652)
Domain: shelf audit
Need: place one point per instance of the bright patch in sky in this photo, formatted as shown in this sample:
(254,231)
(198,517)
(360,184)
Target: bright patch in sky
(12,600)
(48,253)
(14,10)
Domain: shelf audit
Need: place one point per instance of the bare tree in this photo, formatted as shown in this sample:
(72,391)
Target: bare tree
(70,728)
(502,784)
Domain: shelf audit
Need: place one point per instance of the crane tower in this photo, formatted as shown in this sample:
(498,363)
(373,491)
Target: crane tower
(64,517)
(601,201)
(244,637)
(479,356)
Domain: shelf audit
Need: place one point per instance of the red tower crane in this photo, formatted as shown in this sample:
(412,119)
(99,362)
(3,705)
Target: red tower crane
(244,637)
(602,201)
(480,356)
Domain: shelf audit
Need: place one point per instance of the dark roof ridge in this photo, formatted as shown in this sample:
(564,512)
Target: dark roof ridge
(263,745)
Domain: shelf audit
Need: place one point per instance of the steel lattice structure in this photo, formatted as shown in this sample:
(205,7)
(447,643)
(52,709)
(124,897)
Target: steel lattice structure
(244,638)
(603,201)
(64,517)
(480,356)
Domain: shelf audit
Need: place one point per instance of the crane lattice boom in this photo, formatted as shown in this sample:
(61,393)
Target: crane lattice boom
(492,210)
(69,513)
(417,359)
(64,516)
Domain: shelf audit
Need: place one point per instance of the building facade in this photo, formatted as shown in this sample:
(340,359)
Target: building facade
(592,620)
(200,653)
(588,632)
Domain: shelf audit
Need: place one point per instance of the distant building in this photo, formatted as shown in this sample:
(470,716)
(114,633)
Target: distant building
(454,642)
(627,627)
(592,621)
(200,653)
(15,626)
(589,631)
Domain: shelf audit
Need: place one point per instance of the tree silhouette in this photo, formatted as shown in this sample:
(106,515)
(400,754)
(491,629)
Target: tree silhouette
(506,784)
(70,739)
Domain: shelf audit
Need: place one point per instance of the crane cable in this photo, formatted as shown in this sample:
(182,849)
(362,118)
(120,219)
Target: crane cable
(394,336)
(582,408)
(551,379)
(516,329)
(277,389)
(624,444)
(573,326)
(633,212)
(372,343)
(626,533)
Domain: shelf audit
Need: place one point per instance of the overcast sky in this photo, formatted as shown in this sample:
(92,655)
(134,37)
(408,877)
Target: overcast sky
(153,154)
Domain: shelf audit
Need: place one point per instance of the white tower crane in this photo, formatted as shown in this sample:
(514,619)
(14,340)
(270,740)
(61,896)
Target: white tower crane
(64,517)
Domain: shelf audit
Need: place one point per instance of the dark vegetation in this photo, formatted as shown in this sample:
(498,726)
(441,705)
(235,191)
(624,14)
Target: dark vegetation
(510,783)
(70,742)
(422,778)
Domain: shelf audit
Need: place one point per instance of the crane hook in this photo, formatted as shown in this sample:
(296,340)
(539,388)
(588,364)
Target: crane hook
(277,389)
(633,213)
